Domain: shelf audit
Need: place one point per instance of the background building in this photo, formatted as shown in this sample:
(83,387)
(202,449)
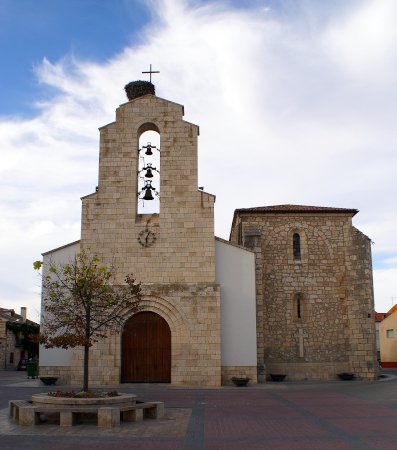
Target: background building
(15,343)
(388,338)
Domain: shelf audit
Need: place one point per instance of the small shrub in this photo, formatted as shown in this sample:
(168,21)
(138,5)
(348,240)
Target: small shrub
(83,394)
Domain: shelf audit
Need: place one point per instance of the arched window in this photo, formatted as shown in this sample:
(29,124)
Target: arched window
(296,245)
(149,170)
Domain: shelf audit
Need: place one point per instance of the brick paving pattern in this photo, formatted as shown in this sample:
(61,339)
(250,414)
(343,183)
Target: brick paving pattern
(290,416)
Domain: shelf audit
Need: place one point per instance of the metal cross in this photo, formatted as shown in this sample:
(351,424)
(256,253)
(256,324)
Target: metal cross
(301,335)
(150,71)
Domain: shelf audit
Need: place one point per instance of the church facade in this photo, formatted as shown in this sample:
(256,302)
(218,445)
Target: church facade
(290,292)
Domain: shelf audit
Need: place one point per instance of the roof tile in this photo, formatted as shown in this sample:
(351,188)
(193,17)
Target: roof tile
(296,209)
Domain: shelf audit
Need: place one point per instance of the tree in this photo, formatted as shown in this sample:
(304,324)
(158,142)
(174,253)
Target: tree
(83,304)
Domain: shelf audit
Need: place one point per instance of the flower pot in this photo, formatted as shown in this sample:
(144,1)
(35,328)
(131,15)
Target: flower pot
(346,376)
(277,377)
(49,380)
(240,381)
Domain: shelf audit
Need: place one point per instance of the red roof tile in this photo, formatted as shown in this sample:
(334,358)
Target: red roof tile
(380,316)
(283,209)
(392,310)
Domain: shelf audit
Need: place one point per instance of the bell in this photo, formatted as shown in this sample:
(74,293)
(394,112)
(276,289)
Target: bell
(148,194)
(149,173)
(149,148)
(149,168)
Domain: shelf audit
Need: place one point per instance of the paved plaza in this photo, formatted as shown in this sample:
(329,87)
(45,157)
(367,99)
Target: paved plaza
(289,415)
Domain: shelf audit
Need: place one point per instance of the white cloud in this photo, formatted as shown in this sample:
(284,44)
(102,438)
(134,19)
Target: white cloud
(364,42)
(385,287)
(293,108)
(391,261)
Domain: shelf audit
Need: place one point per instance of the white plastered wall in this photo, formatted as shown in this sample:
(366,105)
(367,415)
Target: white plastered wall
(235,273)
(57,356)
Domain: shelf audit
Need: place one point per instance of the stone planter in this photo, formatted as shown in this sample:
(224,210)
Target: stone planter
(240,381)
(49,380)
(277,377)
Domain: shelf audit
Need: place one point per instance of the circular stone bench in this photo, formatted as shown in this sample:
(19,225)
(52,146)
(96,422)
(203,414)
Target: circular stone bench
(109,410)
(45,399)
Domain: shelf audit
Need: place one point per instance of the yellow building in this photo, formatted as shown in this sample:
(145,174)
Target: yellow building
(388,339)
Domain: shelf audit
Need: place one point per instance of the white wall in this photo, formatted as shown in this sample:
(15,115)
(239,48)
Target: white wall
(57,356)
(235,272)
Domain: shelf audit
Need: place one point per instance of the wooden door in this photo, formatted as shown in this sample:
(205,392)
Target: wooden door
(146,349)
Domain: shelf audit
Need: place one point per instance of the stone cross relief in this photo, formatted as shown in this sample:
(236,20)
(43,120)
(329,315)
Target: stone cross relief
(301,335)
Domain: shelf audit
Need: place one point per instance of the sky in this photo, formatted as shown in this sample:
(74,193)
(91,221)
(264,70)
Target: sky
(296,103)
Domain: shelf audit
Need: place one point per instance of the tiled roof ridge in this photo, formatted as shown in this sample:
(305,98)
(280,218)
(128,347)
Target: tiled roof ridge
(379,316)
(392,309)
(10,314)
(297,208)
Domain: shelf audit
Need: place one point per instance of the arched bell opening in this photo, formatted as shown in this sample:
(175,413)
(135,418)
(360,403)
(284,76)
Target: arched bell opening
(148,169)
(146,349)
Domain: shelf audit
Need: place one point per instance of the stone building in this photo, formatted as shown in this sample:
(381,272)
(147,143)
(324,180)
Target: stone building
(15,343)
(290,292)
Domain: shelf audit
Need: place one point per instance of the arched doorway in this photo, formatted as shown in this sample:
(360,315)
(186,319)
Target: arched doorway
(146,349)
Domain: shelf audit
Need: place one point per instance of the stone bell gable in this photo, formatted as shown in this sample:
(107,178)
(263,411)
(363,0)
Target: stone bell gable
(184,249)
(313,290)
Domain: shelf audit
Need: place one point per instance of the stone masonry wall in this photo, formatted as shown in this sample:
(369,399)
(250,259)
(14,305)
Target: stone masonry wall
(10,353)
(63,373)
(195,342)
(184,251)
(328,291)
(361,307)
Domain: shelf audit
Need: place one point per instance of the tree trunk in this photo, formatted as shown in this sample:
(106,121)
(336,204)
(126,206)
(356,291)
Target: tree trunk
(86,347)
(85,380)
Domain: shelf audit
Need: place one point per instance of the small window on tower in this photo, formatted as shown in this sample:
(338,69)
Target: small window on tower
(296,244)
(390,334)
